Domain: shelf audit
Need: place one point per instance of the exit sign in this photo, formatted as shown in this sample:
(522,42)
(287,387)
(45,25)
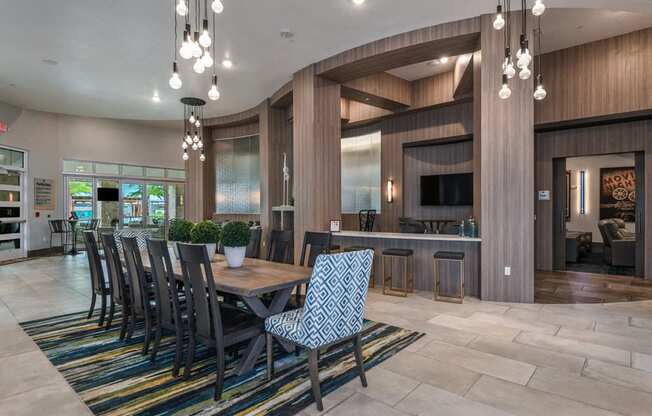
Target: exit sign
(3,127)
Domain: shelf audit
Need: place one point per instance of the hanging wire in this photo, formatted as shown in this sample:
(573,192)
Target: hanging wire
(213,47)
(539,49)
(174,15)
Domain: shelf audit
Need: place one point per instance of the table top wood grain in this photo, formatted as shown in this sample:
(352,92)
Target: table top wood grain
(256,277)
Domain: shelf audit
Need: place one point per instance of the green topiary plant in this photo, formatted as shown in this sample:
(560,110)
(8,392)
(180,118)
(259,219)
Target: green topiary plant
(236,234)
(180,230)
(205,232)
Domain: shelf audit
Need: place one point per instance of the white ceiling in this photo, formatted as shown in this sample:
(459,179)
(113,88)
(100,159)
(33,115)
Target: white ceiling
(112,55)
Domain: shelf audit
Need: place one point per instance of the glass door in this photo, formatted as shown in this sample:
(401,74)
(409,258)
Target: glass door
(132,204)
(176,201)
(12,215)
(79,198)
(156,209)
(108,202)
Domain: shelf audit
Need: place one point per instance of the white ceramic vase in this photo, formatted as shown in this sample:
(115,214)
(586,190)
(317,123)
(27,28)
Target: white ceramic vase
(234,256)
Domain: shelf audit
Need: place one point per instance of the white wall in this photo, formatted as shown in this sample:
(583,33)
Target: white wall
(592,165)
(50,138)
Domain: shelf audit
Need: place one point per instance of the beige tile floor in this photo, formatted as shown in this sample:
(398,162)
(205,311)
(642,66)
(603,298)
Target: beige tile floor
(480,358)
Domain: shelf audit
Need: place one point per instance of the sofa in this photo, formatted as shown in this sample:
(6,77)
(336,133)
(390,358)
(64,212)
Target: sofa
(619,245)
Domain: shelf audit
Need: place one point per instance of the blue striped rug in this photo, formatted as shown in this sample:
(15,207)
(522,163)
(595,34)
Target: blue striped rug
(114,378)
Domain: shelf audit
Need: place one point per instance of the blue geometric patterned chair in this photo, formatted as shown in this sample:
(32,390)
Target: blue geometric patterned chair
(332,313)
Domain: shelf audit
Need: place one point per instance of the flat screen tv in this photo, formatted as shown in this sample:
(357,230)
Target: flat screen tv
(447,190)
(108,194)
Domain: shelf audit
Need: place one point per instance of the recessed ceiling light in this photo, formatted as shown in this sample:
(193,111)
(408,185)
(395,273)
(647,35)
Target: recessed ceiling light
(156,98)
(227,63)
(443,59)
(358,2)
(287,34)
(50,62)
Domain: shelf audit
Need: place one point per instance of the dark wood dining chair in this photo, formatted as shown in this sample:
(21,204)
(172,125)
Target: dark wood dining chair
(142,304)
(117,282)
(366,219)
(98,281)
(280,246)
(314,244)
(170,314)
(253,249)
(209,323)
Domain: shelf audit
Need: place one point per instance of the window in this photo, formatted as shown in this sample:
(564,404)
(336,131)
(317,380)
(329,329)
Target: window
(75,166)
(361,173)
(11,158)
(237,174)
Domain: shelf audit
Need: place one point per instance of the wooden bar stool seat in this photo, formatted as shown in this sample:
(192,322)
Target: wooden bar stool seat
(452,256)
(406,258)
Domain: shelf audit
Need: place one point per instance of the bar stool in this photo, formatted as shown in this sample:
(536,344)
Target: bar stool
(453,256)
(406,257)
(372,278)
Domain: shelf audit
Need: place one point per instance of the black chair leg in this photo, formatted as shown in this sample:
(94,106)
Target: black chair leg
(357,347)
(109,321)
(92,309)
(189,358)
(219,381)
(123,326)
(313,365)
(132,325)
(270,356)
(148,333)
(157,341)
(178,354)
(103,311)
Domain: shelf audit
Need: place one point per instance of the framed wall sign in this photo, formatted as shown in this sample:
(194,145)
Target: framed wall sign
(44,194)
(335,226)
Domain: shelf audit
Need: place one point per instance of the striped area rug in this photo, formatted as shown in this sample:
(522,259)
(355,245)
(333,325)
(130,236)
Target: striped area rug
(114,378)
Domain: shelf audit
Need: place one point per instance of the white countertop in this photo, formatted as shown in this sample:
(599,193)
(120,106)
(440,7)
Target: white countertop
(403,236)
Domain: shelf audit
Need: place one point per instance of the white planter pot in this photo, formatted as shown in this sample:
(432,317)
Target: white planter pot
(175,248)
(235,256)
(212,249)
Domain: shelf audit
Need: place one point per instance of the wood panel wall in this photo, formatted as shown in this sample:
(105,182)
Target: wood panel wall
(434,160)
(606,77)
(507,187)
(434,90)
(317,165)
(440,123)
(599,140)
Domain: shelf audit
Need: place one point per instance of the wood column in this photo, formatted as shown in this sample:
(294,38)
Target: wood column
(194,187)
(317,171)
(507,172)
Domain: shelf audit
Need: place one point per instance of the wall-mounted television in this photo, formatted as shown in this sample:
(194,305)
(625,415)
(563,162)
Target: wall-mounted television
(447,190)
(108,194)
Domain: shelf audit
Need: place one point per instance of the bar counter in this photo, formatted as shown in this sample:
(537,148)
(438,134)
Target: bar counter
(424,247)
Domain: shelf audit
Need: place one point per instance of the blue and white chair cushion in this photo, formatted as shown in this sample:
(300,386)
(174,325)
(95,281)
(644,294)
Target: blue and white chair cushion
(335,301)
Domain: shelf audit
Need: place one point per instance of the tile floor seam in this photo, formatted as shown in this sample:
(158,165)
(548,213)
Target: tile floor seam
(532,375)
(405,397)
(354,392)
(480,375)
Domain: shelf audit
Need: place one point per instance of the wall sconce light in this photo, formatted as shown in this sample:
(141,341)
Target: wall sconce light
(582,192)
(390,191)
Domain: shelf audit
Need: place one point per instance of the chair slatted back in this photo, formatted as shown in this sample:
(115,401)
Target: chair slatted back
(135,273)
(117,281)
(366,219)
(204,315)
(57,226)
(92,225)
(253,249)
(94,262)
(314,244)
(280,246)
(165,284)
(334,307)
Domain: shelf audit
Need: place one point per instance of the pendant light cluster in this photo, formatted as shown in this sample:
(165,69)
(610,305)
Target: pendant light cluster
(197,42)
(193,116)
(523,56)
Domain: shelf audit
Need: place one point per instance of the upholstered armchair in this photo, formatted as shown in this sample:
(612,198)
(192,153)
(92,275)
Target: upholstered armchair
(618,249)
(332,313)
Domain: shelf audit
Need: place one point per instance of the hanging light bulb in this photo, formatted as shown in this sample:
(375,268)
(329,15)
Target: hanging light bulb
(196,138)
(540,92)
(198,67)
(539,8)
(197,123)
(184,145)
(200,144)
(525,73)
(188,138)
(196,49)
(206,59)
(191,119)
(499,21)
(217,6)
(182,8)
(505,92)
(202,157)
(175,80)
(186,48)
(194,146)
(523,54)
(205,38)
(185,155)
(214,93)
(508,65)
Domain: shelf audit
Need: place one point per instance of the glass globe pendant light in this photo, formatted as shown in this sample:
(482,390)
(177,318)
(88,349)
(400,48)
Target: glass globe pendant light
(217,6)
(184,145)
(505,92)
(525,73)
(192,119)
(206,59)
(499,20)
(540,92)
(175,80)
(202,157)
(539,8)
(185,155)
(198,67)
(193,115)
(214,93)
(196,49)
(205,38)
(182,8)
(186,45)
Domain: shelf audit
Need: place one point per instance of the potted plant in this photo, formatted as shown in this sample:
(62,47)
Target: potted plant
(179,232)
(235,239)
(208,233)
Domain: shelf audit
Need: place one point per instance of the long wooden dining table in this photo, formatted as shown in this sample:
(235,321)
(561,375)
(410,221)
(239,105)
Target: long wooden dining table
(250,282)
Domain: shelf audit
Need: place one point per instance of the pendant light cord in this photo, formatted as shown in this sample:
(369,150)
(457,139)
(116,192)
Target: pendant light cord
(174,16)
(539,49)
